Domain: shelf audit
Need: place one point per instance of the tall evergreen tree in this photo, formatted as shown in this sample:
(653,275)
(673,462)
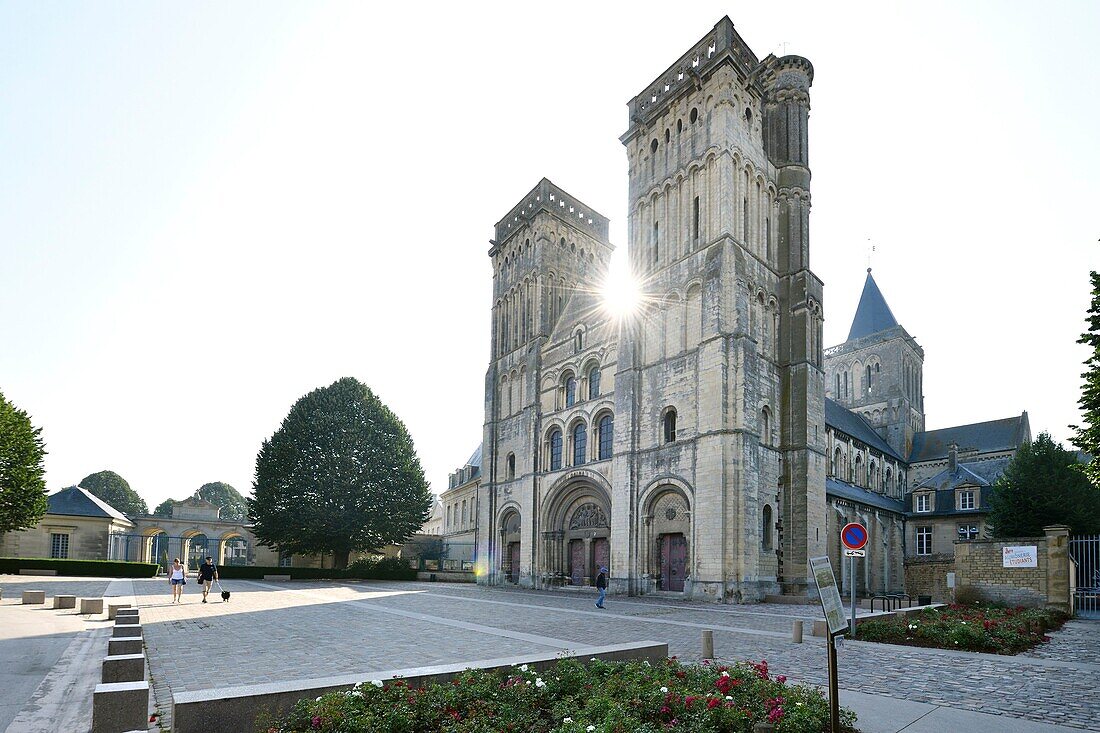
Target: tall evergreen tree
(1087,438)
(340,475)
(22,487)
(233,505)
(1042,486)
(114,490)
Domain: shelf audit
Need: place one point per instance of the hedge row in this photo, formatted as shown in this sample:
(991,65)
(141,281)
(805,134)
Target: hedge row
(84,568)
(387,569)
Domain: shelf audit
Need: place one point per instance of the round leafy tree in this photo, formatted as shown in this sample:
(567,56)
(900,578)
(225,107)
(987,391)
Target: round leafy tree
(233,505)
(340,475)
(22,488)
(164,509)
(114,490)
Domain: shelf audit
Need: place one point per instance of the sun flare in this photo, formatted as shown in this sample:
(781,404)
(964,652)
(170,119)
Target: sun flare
(621,293)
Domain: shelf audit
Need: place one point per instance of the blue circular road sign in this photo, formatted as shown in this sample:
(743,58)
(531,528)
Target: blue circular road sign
(854,536)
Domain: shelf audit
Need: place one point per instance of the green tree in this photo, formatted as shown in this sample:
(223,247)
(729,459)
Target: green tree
(233,505)
(22,488)
(1042,486)
(114,490)
(164,509)
(1087,438)
(340,475)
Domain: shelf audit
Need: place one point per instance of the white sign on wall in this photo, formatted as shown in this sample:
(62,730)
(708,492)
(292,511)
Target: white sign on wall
(1025,556)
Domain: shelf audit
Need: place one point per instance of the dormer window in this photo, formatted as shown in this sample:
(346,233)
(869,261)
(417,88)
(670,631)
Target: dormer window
(923,502)
(966,500)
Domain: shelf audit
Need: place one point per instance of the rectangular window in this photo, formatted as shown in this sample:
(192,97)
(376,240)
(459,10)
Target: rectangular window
(924,502)
(285,558)
(656,242)
(968,531)
(966,500)
(924,540)
(695,219)
(59,545)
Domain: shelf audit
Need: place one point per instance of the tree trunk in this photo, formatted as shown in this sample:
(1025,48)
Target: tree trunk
(340,558)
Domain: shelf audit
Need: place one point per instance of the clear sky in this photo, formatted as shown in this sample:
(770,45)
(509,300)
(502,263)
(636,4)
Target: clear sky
(209,209)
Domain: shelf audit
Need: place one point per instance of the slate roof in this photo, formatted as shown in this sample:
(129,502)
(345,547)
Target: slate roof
(948,479)
(944,505)
(77,502)
(872,314)
(475,459)
(984,437)
(841,418)
(844,490)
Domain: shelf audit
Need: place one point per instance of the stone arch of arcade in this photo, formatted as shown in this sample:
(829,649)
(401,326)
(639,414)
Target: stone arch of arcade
(576,539)
(510,524)
(666,535)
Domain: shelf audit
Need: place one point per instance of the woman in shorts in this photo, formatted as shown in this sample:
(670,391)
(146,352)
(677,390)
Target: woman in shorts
(177,577)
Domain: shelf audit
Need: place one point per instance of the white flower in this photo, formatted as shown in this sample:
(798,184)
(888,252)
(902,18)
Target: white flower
(523,668)
(590,728)
(725,674)
(376,683)
(664,689)
(645,662)
(567,720)
(539,682)
(317,699)
(798,704)
(729,697)
(964,623)
(912,626)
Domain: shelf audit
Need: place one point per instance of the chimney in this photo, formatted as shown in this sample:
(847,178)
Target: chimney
(952,457)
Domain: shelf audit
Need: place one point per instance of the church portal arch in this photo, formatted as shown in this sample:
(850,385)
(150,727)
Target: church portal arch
(577,538)
(666,534)
(509,523)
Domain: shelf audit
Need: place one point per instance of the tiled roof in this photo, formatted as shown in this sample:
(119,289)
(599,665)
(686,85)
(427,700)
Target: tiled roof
(872,314)
(841,418)
(944,504)
(77,502)
(983,437)
(844,490)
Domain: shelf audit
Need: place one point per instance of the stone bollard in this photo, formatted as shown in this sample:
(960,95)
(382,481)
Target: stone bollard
(34,597)
(127,621)
(124,645)
(796,631)
(64,601)
(91,605)
(124,632)
(708,645)
(123,668)
(114,608)
(120,706)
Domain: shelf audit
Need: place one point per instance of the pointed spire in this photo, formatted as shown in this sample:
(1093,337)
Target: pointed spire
(872,315)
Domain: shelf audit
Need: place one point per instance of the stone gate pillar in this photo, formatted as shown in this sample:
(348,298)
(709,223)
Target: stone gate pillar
(1058,580)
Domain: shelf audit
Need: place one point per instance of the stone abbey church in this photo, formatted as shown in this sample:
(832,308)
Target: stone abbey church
(710,444)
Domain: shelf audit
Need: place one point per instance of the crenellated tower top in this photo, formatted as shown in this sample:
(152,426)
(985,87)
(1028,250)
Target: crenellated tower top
(546,196)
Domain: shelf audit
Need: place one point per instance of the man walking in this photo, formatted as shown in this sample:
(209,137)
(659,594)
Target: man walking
(601,586)
(207,575)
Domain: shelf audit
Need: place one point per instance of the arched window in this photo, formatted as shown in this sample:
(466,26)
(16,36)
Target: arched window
(859,471)
(867,384)
(580,443)
(555,450)
(836,463)
(593,383)
(838,386)
(872,476)
(694,117)
(448,517)
(670,425)
(464,513)
(578,341)
(570,391)
(766,528)
(765,427)
(511,465)
(886,480)
(607,436)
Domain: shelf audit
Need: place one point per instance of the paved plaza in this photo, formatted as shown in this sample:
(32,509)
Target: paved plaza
(276,631)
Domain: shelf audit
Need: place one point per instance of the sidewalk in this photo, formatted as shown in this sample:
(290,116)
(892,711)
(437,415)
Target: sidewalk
(881,714)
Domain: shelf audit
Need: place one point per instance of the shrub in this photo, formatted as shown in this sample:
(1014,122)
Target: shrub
(384,569)
(968,595)
(977,628)
(571,697)
(82,568)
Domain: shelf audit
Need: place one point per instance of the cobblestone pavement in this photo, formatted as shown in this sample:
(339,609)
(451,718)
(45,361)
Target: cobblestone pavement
(281,631)
(13,586)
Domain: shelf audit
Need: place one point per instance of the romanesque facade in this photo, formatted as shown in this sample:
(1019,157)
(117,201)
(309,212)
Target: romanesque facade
(685,447)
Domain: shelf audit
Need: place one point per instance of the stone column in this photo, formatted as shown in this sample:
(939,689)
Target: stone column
(1058,568)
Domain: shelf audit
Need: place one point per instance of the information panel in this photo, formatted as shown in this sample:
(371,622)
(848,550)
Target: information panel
(829,594)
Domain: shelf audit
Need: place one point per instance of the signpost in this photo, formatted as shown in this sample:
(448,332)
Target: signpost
(833,607)
(854,538)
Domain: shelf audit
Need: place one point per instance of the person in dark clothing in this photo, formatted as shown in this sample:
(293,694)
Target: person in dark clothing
(601,586)
(208,573)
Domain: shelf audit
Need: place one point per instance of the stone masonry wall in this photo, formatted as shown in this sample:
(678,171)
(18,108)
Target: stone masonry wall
(928,576)
(978,563)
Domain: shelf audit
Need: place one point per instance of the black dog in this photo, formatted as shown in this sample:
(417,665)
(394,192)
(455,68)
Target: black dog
(225,595)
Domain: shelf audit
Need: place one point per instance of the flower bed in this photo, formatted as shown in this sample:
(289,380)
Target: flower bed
(574,697)
(975,627)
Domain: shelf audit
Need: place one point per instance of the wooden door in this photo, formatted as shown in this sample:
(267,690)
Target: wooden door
(673,562)
(513,562)
(601,555)
(577,569)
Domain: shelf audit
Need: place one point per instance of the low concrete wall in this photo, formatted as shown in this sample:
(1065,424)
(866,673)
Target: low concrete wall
(236,709)
(448,576)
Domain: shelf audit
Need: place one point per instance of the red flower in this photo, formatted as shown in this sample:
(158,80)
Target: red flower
(316,722)
(689,700)
(713,702)
(781,679)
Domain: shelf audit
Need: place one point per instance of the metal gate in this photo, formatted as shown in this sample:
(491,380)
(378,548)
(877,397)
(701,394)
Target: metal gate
(1085,552)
